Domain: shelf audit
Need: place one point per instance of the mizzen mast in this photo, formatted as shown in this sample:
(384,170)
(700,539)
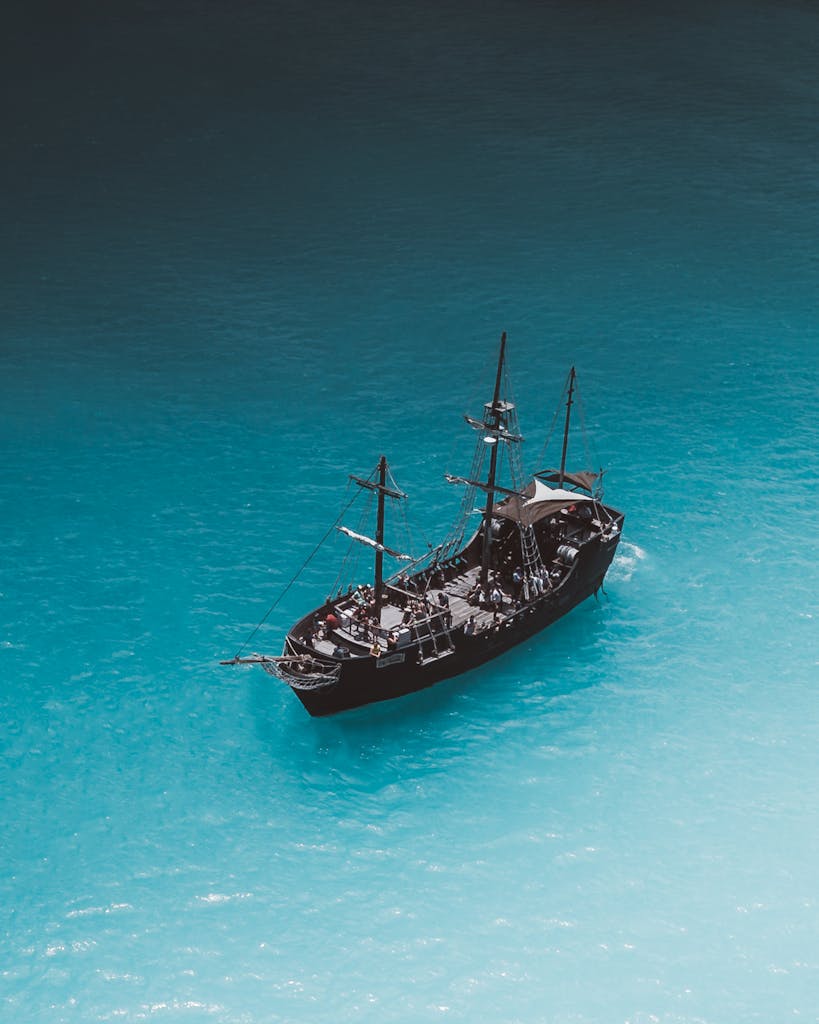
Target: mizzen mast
(572,376)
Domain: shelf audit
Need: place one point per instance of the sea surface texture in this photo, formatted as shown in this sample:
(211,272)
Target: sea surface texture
(246,249)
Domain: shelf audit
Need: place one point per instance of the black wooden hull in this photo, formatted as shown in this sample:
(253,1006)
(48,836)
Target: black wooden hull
(365,680)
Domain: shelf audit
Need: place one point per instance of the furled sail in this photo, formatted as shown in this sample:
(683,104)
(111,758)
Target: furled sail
(496,488)
(373,544)
(493,430)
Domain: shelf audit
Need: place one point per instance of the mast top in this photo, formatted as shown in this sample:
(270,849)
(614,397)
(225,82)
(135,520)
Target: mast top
(379,484)
(373,485)
(501,358)
(562,474)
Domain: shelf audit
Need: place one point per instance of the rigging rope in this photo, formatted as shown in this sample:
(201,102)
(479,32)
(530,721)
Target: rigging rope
(410,543)
(352,557)
(298,573)
(591,461)
(559,408)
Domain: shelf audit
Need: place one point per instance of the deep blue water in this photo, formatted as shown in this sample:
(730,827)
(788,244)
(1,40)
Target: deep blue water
(246,251)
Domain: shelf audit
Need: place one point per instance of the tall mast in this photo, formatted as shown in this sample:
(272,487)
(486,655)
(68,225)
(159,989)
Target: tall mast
(492,423)
(379,536)
(566,427)
(380,487)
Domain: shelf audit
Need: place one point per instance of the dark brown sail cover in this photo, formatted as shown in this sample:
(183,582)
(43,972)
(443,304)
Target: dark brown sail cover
(584,478)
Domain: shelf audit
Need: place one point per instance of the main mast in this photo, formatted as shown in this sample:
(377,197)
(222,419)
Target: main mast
(492,423)
(379,537)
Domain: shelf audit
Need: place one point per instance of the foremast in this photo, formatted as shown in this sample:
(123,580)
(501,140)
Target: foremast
(379,485)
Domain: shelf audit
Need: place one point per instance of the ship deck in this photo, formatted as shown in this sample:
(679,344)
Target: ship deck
(427,631)
(429,625)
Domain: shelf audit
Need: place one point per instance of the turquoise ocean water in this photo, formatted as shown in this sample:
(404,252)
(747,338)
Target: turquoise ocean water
(245,251)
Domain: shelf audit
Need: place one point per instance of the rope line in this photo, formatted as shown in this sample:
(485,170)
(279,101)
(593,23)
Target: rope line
(541,459)
(293,580)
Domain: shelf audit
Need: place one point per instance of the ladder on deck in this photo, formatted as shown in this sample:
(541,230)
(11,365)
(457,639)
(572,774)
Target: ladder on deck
(434,635)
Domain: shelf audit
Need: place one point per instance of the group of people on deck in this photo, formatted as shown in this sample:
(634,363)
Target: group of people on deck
(524,587)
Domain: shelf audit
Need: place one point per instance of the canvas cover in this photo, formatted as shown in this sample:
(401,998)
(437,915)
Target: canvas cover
(540,500)
(582,478)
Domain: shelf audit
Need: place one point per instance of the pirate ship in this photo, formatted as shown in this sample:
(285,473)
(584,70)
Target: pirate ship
(542,545)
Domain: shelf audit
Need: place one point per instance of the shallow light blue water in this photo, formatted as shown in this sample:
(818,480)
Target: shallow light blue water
(243,255)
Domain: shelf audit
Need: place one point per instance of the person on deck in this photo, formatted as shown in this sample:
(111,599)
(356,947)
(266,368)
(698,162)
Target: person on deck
(443,604)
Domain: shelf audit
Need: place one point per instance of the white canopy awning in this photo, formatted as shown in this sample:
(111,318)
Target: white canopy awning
(545,493)
(540,500)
